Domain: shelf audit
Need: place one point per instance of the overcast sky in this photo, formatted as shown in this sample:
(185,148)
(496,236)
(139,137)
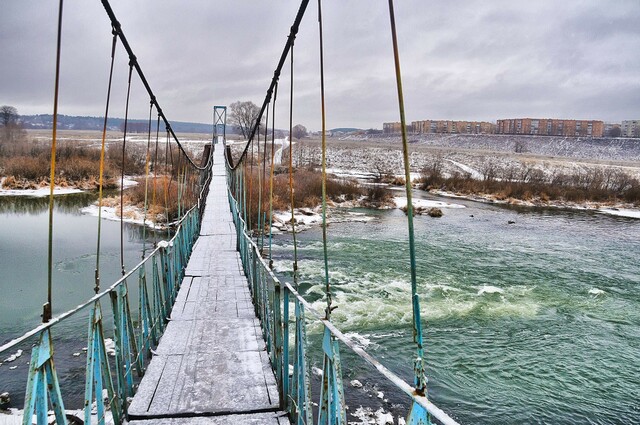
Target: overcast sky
(461,59)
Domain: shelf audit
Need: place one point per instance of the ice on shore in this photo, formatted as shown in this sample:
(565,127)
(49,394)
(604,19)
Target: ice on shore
(401,202)
(38,193)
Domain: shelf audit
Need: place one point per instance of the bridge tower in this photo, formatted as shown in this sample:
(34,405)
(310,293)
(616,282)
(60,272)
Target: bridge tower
(219,123)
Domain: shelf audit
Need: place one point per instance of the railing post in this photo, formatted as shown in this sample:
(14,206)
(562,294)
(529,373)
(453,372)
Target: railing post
(98,374)
(285,351)
(43,384)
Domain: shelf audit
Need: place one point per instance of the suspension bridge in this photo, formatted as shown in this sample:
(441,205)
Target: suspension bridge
(215,337)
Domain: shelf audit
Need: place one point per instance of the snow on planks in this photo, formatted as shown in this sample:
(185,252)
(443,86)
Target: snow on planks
(211,366)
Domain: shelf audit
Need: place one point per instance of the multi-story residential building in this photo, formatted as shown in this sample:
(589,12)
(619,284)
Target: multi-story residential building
(550,127)
(393,128)
(452,127)
(630,128)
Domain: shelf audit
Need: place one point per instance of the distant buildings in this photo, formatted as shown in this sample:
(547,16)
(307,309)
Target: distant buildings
(550,127)
(523,126)
(453,127)
(393,128)
(630,128)
(441,126)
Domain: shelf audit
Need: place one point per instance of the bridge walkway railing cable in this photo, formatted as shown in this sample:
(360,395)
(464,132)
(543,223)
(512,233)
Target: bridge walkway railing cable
(274,298)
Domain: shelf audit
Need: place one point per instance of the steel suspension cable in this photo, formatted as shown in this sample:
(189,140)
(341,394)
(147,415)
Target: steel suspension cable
(102,149)
(420,378)
(47,308)
(276,76)
(124,145)
(293,220)
(118,29)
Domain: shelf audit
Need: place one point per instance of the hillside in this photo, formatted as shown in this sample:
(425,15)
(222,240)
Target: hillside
(66,122)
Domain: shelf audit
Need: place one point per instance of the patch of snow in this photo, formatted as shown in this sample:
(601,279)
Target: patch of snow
(367,416)
(620,212)
(356,384)
(13,357)
(15,417)
(475,174)
(132,214)
(401,202)
(38,193)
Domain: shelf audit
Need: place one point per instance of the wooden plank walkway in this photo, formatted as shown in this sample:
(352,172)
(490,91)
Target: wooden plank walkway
(211,365)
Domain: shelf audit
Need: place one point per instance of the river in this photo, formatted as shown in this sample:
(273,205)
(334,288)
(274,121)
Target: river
(529,315)
(23,280)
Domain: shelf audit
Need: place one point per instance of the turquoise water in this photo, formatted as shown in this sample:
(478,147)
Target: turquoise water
(532,322)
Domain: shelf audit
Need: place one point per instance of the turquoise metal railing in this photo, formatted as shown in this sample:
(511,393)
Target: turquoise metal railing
(134,335)
(272,299)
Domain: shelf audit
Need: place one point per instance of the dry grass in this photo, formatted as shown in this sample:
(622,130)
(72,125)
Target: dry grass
(607,185)
(307,191)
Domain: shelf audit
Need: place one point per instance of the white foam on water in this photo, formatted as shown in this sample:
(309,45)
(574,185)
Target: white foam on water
(362,340)
(488,289)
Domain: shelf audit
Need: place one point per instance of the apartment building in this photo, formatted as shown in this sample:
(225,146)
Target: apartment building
(551,127)
(630,128)
(452,127)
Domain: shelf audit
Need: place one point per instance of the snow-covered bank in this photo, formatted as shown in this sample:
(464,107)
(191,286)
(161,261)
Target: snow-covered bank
(401,202)
(619,210)
(131,214)
(38,193)
(45,190)
(306,218)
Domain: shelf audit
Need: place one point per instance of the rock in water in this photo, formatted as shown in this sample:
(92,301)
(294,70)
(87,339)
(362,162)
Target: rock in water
(435,212)
(5,401)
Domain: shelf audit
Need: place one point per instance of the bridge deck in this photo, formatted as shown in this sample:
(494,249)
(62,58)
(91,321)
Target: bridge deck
(211,365)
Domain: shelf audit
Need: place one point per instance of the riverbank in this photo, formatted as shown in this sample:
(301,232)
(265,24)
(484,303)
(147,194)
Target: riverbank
(610,208)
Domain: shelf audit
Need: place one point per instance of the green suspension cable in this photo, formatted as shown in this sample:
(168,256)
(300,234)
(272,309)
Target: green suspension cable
(324,171)
(124,145)
(101,178)
(47,309)
(293,220)
(420,378)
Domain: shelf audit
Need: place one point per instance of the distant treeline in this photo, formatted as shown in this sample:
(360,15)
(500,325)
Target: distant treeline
(66,122)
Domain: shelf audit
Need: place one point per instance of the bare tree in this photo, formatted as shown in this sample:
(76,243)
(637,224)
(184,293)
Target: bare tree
(520,146)
(299,131)
(9,124)
(8,116)
(244,115)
